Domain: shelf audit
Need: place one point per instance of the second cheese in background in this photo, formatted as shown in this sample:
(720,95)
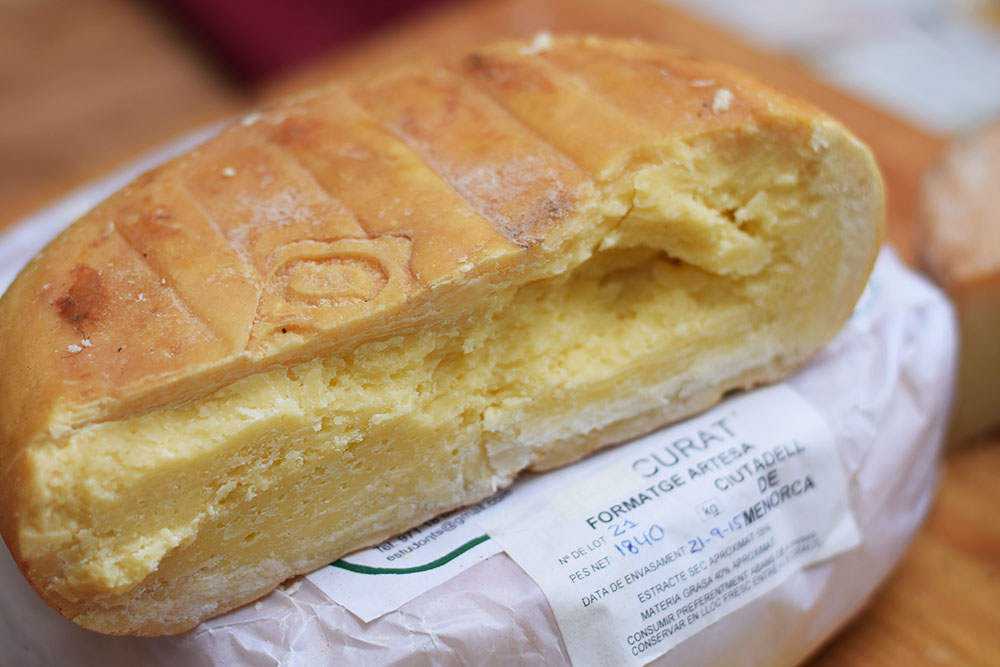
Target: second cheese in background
(959,245)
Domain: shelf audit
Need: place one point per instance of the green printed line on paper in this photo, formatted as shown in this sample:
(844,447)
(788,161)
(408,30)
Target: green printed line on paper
(438,562)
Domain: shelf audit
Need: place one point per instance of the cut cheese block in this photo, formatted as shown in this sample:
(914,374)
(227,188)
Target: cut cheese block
(384,299)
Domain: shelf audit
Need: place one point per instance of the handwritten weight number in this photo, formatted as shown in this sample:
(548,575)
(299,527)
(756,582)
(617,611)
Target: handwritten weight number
(631,545)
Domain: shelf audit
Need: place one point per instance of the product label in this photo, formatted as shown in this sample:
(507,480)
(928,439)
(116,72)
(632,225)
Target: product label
(672,532)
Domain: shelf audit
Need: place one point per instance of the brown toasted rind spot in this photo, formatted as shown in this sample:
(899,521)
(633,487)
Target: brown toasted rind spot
(552,209)
(508,73)
(85,297)
(156,225)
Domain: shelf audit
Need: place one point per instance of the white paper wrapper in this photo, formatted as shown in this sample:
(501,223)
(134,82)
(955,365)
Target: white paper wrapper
(883,386)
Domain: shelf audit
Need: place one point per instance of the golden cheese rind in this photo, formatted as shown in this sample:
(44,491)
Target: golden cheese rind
(384,299)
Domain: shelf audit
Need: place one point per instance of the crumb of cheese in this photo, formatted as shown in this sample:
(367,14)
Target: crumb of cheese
(228,172)
(251,118)
(817,141)
(541,43)
(723,98)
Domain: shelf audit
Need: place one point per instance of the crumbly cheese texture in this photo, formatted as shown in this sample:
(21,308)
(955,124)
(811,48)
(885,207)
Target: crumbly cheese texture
(384,299)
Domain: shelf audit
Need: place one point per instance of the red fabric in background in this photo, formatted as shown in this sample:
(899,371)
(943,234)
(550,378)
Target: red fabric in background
(257,39)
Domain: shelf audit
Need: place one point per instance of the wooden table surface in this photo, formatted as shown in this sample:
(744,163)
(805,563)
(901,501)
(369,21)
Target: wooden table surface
(87,85)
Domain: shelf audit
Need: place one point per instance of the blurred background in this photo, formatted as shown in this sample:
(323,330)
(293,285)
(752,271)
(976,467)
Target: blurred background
(87,86)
